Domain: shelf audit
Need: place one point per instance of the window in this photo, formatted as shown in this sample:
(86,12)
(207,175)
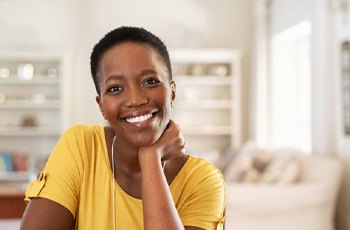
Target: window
(290,91)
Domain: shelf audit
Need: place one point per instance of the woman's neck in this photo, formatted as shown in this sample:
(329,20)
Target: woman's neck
(125,153)
(126,157)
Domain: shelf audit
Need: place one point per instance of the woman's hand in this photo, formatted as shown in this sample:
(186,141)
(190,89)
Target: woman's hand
(170,145)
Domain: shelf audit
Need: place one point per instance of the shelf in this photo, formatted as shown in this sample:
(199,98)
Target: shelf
(43,103)
(203,55)
(37,80)
(25,104)
(183,103)
(202,80)
(11,190)
(29,131)
(206,130)
(15,176)
(207,105)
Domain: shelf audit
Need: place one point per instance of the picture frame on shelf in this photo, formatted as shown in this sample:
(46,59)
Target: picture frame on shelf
(345,72)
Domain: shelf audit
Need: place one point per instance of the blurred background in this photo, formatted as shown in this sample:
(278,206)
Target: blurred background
(257,80)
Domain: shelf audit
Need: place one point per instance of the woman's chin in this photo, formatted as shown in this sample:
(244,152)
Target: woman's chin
(146,137)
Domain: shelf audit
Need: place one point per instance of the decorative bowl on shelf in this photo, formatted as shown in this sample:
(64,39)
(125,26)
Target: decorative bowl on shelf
(29,121)
(198,69)
(218,70)
(38,98)
(52,72)
(25,72)
(2,98)
(4,73)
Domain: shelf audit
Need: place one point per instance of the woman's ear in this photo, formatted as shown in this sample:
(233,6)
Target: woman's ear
(173,90)
(98,100)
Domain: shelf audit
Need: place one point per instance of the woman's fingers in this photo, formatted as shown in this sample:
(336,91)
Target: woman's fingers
(170,145)
(172,142)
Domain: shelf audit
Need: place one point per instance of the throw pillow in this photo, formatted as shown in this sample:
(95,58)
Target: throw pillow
(248,164)
(284,169)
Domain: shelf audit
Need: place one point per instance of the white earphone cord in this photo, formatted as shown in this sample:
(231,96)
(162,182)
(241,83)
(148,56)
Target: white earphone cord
(113,187)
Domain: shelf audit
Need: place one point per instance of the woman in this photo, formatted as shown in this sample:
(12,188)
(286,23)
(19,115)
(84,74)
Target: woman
(134,173)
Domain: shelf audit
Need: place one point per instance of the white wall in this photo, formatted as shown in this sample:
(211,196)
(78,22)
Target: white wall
(75,26)
(289,13)
(39,25)
(323,89)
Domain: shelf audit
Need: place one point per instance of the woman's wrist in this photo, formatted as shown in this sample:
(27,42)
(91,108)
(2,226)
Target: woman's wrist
(148,157)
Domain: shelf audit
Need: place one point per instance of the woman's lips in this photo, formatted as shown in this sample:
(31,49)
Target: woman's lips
(140,118)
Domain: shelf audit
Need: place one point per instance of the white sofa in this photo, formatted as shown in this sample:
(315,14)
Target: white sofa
(306,205)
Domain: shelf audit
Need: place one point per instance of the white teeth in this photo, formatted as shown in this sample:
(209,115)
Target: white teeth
(139,118)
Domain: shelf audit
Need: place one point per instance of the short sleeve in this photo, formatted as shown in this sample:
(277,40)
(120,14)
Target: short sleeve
(205,206)
(61,178)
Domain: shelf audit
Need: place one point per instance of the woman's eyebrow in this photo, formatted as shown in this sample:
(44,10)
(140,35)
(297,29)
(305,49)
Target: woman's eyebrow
(114,77)
(148,71)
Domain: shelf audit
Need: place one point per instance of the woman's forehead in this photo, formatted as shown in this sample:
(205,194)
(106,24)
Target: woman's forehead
(129,49)
(129,55)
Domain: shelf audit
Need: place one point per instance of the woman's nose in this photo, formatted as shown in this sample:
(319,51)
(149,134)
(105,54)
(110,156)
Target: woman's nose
(135,97)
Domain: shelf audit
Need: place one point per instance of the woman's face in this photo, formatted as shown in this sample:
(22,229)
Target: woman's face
(136,94)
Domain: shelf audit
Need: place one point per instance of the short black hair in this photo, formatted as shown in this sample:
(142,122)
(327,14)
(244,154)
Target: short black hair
(126,33)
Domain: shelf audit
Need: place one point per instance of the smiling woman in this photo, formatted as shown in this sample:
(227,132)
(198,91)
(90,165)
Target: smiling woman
(133,173)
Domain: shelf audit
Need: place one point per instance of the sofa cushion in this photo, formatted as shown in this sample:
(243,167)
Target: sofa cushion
(284,169)
(257,165)
(248,164)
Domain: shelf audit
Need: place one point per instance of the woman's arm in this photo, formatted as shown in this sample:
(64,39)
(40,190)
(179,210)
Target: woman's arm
(158,206)
(159,210)
(42,214)
(53,197)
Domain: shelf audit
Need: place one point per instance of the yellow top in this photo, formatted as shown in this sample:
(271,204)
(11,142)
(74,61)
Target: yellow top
(78,176)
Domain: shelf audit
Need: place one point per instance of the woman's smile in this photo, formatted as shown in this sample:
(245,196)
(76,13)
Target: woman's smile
(140,119)
(139,116)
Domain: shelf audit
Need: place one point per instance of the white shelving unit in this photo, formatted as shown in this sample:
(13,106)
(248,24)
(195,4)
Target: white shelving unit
(207,105)
(34,106)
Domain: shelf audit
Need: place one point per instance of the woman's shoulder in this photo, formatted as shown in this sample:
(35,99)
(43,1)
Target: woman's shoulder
(80,142)
(84,127)
(199,164)
(200,168)
(197,174)
(84,130)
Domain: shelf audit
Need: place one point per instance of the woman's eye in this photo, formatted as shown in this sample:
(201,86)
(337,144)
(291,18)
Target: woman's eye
(115,89)
(151,82)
